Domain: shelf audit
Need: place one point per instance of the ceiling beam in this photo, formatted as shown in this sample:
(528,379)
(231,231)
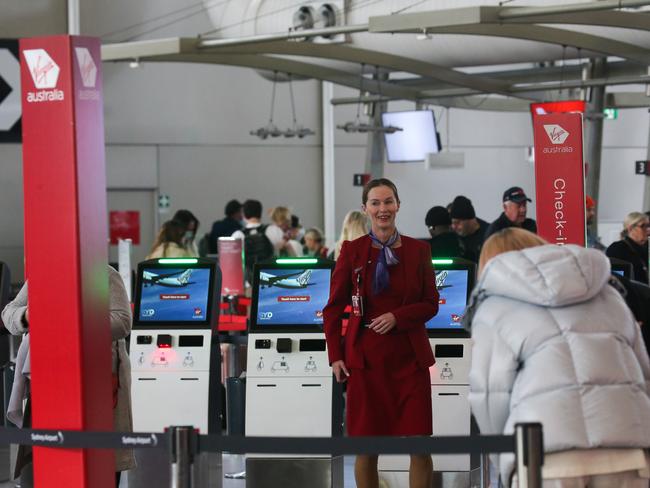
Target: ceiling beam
(284,65)
(507,13)
(372,58)
(484,21)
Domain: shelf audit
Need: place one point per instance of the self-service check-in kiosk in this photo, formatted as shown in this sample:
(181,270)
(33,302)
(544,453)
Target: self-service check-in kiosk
(174,350)
(290,391)
(451,346)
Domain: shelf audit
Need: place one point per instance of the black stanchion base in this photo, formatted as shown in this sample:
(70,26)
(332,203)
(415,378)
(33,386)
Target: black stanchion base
(153,469)
(294,472)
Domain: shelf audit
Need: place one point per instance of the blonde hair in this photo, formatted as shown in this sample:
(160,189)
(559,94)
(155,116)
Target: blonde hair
(632,219)
(316,234)
(355,225)
(281,216)
(509,239)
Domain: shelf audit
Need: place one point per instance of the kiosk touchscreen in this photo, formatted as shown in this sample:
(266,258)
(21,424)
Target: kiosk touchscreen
(622,268)
(451,346)
(174,347)
(290,390)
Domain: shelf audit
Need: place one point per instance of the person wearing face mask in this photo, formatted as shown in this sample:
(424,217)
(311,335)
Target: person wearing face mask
(633,246)
(389,280)
(514,213)
(191,224)
(169,242)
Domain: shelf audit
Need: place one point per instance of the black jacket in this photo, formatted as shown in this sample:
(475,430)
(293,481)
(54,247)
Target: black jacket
(504,222)
(471,245)
(628,250)
(445,245)
(222,228)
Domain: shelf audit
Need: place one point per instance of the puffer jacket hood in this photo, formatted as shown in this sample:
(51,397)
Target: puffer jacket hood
(553,342)
(551,276)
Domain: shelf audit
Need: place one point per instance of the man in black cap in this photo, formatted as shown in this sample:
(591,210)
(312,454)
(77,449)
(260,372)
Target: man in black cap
(514,213)
(227,226)
(470,229)
(444,243)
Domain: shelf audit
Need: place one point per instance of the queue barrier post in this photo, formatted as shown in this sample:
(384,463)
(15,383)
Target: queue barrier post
(529,445)
(485,470)
(183,447)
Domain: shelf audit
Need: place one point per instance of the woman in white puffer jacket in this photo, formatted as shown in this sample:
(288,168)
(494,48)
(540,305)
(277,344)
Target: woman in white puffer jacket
(554,343)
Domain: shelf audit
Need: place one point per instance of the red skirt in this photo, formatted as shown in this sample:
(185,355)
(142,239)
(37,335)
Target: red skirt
(383,404)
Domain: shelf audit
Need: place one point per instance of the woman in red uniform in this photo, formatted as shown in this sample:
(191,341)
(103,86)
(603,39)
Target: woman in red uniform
(385,357)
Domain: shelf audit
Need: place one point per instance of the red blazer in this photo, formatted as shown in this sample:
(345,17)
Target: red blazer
(419,305)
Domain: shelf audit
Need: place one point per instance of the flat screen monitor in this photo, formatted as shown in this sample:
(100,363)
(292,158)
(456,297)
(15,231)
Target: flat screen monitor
(454,282)
(175,293)
(622,268)
(417,138)
(290,297)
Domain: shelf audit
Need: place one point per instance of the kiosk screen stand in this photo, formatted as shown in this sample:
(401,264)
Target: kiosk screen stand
(453,287)
(291,297)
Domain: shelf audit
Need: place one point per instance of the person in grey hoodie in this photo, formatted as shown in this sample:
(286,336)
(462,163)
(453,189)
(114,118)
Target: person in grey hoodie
(15,316)
(554,343)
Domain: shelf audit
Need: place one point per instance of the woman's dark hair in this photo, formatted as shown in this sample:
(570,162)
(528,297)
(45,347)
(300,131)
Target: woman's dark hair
(186,217)
(376,183)
(170,231)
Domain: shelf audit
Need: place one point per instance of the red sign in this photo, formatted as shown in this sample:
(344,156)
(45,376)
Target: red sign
(562,107)
(124,224)
(560,178)
(232,266)
(64,174)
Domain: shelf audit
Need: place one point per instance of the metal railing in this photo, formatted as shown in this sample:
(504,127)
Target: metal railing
(184,443)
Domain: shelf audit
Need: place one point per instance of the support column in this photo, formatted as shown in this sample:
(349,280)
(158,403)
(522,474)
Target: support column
(375,149)
(594,131)
(66,254)
(329,177)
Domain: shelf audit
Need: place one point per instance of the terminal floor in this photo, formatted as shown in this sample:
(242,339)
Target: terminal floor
(234,464)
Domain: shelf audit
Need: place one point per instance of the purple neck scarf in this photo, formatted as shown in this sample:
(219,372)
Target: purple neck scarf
(387,258)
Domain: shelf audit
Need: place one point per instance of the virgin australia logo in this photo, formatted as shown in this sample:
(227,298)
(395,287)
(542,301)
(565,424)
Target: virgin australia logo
(45,74)
(555,133)
(88,70)
(87,67)
(44,71)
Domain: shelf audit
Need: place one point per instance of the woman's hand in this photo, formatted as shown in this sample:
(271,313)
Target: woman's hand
(340,371)
(383,324)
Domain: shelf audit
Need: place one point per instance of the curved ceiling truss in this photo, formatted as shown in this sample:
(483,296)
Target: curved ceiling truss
(427,82)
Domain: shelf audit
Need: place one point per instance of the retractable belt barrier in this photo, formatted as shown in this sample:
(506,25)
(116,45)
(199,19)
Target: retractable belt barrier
(185,442)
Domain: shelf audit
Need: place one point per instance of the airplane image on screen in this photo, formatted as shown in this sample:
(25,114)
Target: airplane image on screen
(174,280)
(440,280)
(301,280)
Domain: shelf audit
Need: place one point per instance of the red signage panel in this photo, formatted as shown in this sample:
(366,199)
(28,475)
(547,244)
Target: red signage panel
(232,266)
(560,178)
(124,224)
(66,256)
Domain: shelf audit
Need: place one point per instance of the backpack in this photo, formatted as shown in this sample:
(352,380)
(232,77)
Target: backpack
(257,248)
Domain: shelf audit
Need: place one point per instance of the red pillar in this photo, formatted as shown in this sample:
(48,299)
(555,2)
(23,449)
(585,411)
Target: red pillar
(66,253)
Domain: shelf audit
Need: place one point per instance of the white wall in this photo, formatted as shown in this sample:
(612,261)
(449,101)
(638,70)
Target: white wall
(495,146)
